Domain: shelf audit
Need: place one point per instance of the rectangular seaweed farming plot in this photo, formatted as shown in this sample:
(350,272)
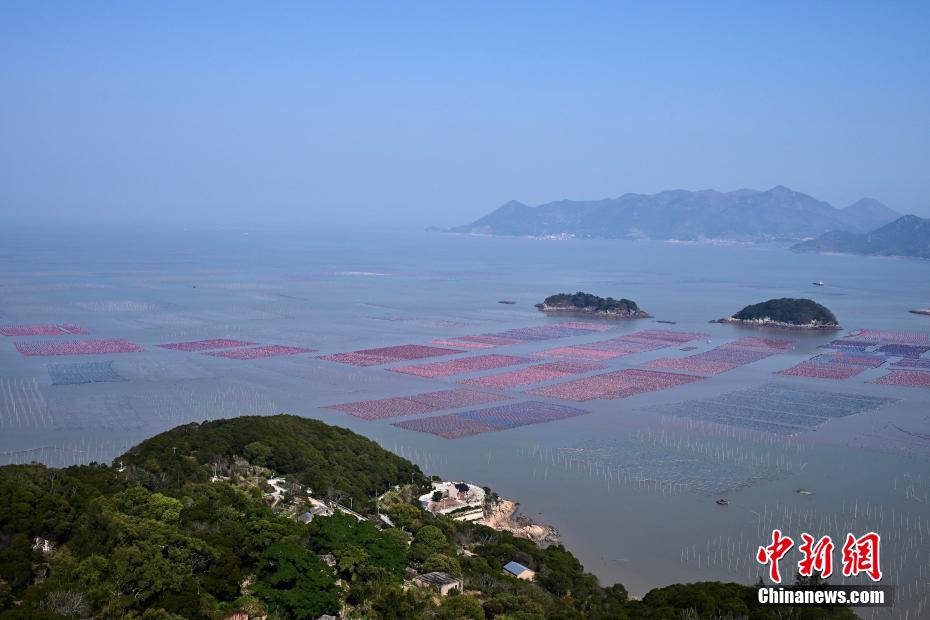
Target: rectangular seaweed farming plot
(753,342)
(455,425)
(462,366)
(521,414)
(416,404)
(846,343)
(618,384)
(815,370)
(272,350)
(41,330)
(910,351)
(773,408)
(594,327)
(637,342)
(462,344)
(206,345)
(534,374)
(78,347)
(691,364)
(387,355)
(669,336)
(725,357)
(876,336)
(921,364)
(449,426)
(582,352)
(87,372)
(906,378)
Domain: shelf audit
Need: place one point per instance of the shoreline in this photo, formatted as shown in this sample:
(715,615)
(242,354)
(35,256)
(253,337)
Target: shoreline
(776,324)
(504,515)
(589,312)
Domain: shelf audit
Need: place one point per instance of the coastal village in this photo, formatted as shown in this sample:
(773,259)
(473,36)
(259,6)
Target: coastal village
(458,500)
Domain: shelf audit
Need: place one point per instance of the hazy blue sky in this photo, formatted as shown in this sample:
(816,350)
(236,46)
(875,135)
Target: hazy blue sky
(436,112)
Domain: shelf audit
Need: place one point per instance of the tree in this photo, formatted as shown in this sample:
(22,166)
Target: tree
(6,594)
(459,607)
(258,453)
(440,562)
(437,495)
(432,537)
(294,583)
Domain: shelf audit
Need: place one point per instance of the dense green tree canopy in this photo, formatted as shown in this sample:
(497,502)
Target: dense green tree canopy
(159,541)
(790,311)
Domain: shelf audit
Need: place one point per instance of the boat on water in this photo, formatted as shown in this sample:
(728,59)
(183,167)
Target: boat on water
(818,283)
(722,502)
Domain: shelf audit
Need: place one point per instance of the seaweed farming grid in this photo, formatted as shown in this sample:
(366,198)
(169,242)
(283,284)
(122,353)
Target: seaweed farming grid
(81,373)
(774,408)
(461,366)
(636,342)
(416,403)
(77,347)
(617,384)
(41,330)
(524,334)
(387,355)
(534,374)
(195,346)
(673,463)
(906,378)
(271,350)
(725,357)
(491,419)
(22,405)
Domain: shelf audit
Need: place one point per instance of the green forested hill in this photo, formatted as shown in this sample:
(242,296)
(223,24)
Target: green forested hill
(156,539)
(323,457)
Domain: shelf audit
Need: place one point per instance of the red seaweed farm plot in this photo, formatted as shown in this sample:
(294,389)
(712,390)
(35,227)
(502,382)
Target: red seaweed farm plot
(637,342)
(534,374)
(617,384)
(206,345)
(921,364)
(461,366)
(271,350)
(524,334)
(725,357)
(416,404)
(387,355)
(491,419)
(41,330)
(877,336)
(78,347)
(911,351)
(834,365)
(449,426)
(906,378)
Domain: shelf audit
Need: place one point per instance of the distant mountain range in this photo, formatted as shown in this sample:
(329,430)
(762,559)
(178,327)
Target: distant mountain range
(778,214)
(906,236)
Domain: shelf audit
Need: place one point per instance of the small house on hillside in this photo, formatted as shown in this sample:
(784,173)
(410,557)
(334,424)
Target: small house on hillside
(519,571)
(444,582)
(461,491)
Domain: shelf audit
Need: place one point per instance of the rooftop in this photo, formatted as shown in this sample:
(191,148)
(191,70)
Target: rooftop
(437,578)
(515,568)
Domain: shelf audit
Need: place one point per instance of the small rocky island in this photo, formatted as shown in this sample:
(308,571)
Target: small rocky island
(786,313)
(592,304)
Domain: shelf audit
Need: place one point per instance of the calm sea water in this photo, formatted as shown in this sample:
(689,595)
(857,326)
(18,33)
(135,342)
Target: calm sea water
(611,481)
